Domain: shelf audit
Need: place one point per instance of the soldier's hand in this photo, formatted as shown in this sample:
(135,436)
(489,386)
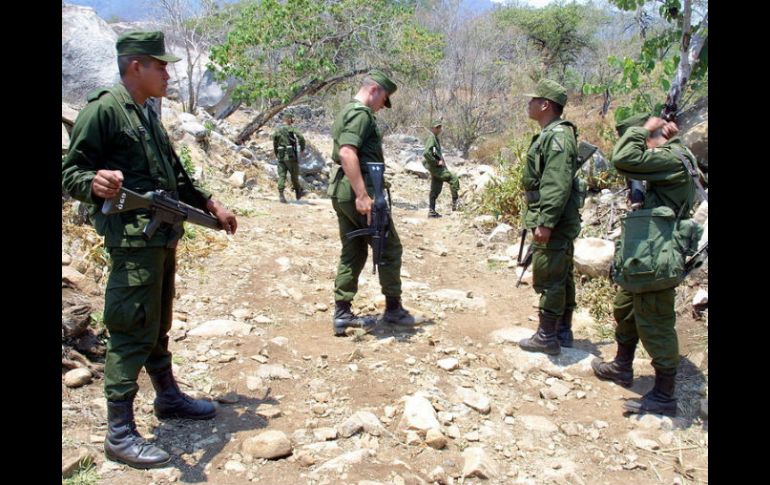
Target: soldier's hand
(669,130)
(364,207)
(654,123)
(542,235)
(107,183)
(223,215)
(440,162)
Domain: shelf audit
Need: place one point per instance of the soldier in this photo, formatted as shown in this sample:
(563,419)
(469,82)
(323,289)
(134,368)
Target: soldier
(553,200)
(118,140)
(357,141)
(439,173)
(649,150)
(287,143)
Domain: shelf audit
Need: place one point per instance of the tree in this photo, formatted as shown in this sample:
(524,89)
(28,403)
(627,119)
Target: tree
(559,32)
(283,51)
(193,25)
(672,64)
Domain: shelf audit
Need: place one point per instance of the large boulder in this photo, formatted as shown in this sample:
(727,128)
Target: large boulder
(593,256)
(89,58)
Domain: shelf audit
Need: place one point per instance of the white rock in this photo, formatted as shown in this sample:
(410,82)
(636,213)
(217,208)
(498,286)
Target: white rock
(502,233)
(268,444)
(77,377)
(419,414)
(221,328)
(475,400)
(448,364)
(237,179)
(593,256)
(478,464)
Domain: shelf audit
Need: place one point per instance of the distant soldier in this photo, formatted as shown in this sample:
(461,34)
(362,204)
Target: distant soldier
(288,143)
(439,173)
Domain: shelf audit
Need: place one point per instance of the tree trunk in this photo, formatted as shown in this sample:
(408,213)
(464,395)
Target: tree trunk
(307,90)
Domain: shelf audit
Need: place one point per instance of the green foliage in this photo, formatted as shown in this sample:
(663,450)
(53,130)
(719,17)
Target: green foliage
(186,158)
(559,32)
(277,48)
(504,197)
(597,294)
(648,77)
(85,475)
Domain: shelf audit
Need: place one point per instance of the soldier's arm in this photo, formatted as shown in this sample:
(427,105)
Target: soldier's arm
(350,139)
(632,158)
(275,143)
(84,158)
(556,182)
(428,152)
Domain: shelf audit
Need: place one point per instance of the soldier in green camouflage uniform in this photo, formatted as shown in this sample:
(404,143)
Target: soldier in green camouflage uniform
(439,173)
(553,200)
(118,140)
(358,141)
(285,139)
(649,150)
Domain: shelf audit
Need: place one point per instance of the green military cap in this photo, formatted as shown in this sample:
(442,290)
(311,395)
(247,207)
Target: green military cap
(383,80)
(436,124)
(550,90)
(633,120)
(140,43)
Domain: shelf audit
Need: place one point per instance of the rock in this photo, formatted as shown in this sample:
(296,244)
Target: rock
(502,233)
(270,371)
(268,444)
(593,256)
(280,341)
(702,214)
(639,440)
(701,298)
(651,421)
(538,423)
(254,383)
(370,422)
(351,426)
(75,320)
(437,475)
(221,328)
(475,400)
(435,439)
(570,429)
(269,412)
(241,313)
(448,364)
(70,465)
(697,140)
(325,434)
(570,360)
(77,377)
(350,458)
(195,129)
(419,415)
(75,279)
(484,222)
(704,408)
(478,464)
(88,53)
(237,179)
(481,181)
(233,466)
(416,168)
(412,438)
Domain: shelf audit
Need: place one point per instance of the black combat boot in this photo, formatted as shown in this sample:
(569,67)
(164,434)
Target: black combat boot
(298,193)
(564,329)
(171,403)
(281,197)
(124,444)
(660,400)
(344,318)
(432,210)
(620,370)
(544,339)
(455,202)
(395,314)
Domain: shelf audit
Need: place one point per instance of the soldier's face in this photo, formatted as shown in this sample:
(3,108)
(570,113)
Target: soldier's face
(154,78)
(534,108)
(379,95)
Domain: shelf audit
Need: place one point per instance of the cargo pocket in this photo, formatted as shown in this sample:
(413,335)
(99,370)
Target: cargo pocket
(128,291)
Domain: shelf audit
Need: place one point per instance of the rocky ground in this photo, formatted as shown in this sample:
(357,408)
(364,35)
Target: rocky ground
(452,401)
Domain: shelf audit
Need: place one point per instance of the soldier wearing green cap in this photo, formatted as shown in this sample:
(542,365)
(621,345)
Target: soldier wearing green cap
(357,141)
(287,142)
(649,150)
(553,198)
(439,173)
(119,141)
